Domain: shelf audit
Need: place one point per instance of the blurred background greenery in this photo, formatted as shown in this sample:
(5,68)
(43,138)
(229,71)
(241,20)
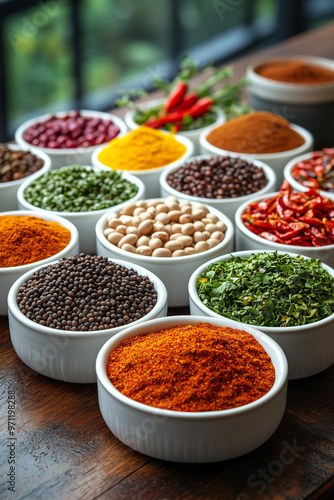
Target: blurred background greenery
(61,54)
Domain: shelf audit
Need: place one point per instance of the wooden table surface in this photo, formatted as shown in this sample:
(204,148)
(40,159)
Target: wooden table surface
(63,449)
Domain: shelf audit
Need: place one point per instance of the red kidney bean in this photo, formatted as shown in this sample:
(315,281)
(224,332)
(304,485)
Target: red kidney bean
(218,177)
(71,131)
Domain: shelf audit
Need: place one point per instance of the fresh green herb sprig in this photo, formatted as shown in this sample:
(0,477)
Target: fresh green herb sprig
(268,289)
(79,189)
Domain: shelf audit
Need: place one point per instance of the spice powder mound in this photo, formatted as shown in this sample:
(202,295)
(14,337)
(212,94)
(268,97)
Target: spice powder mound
(192,368)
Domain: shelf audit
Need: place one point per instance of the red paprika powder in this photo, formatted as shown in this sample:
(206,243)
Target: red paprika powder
(295,72)
(201,367)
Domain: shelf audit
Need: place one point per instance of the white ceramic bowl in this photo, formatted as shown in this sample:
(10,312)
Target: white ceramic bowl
(150,177)
(191,436)
(63,355)
(247,240)
(173,271)
(276,161)
(84,221)
(193,135)
(72,156)
(297,186)
(8,275)
(227,206)
(8,190)
(309,348)
(311,106)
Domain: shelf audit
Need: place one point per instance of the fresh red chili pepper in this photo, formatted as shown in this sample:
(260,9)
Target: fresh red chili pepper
(187,101)
(176,95)
(199,108)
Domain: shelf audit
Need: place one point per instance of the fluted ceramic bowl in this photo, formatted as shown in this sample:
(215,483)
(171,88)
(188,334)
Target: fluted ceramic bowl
(84,221)
(8,275)
(276,161)
(182,436)
(309,348)
(64,355)
(173,271)
(68,156)
(150,177)
(227,206)
(192,135)
(297,186)
(247,240)
(8,190)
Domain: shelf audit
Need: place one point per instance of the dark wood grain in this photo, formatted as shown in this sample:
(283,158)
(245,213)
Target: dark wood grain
(64,449)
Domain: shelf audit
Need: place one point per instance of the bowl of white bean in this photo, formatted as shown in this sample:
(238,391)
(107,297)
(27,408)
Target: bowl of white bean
(168,236)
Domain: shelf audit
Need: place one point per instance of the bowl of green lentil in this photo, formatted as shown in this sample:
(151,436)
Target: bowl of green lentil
(287,296)
(186,412)
(29,239)
(81,194)
(61,314)
(16,165)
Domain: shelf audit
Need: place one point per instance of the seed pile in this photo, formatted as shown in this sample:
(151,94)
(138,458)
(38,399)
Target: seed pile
(79,189)
(71,131)
(218,177)
(164,228)
(15,165)
(86,293)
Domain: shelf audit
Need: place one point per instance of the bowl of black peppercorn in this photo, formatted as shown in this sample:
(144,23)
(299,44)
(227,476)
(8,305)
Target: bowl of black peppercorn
(222,182)
(60,315)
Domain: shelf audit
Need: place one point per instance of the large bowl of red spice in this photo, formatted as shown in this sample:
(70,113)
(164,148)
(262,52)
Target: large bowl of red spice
(312,171)
(288,220)
(259,135)
(262,288)
(301,88)
(29,239)
(210,420)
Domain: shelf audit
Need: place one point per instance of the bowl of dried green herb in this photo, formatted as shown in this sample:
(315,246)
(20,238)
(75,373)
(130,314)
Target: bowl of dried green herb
(287,296)
(192,389)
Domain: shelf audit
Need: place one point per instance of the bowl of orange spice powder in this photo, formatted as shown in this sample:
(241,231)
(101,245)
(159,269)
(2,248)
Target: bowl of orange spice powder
(300,88)
(192,389)
(29,239)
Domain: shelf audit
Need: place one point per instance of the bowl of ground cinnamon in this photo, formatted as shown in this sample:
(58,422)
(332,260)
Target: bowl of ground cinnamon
(192,388)
(29,239)
(300,88)
(259,135)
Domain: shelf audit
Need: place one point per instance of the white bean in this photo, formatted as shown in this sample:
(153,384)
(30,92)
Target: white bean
(179,253)
(188,229)
(185,218)
(115,237)
(129,248)
(146,226)
(130,239)
(121,229)
(162,252)
(201,246)
(155,243)
(142,241)
(144,250)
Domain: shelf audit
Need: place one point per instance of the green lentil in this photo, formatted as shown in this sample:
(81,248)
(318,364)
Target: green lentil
(268,289)
(78,188)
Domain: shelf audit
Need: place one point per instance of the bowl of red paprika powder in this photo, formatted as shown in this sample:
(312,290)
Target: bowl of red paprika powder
(286,296)
(300,88)
(291,221)
(171,369)
(29,239)
(59,316)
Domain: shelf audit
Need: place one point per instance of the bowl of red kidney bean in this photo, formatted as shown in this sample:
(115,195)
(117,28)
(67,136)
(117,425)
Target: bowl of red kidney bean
(288,220)
(222,182)
(312,171)
(16,164)
(70,137)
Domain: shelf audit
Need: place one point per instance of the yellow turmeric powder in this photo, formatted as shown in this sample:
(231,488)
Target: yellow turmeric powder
(142,149)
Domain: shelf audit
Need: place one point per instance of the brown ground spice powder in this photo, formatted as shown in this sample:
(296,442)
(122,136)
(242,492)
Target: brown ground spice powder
(259,132)
(199,367)
(295,72)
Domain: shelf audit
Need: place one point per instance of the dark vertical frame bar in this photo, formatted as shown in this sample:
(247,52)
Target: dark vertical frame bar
(3,90)
(77,52)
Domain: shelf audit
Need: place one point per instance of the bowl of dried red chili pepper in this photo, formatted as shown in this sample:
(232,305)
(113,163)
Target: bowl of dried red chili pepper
(312,171)
(192,389)
(287,296)
(298,222)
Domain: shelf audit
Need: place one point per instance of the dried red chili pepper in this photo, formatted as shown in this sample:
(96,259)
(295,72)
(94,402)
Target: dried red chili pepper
(316,172)
(201,367)
(305,219)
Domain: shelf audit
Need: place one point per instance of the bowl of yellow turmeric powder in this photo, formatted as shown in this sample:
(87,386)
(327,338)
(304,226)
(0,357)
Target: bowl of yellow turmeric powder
(144,152)
(180,388)
(29,239)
